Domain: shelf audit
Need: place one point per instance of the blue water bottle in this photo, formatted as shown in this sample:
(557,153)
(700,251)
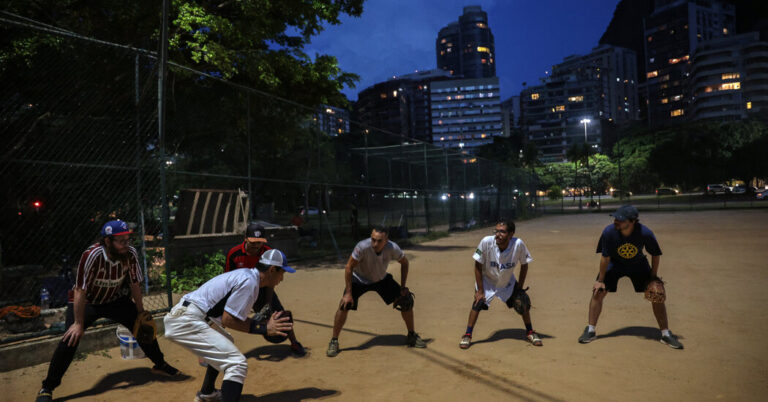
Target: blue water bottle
(45,299)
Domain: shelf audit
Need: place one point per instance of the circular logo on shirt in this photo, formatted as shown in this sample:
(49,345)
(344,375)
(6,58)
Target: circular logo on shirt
(627,250)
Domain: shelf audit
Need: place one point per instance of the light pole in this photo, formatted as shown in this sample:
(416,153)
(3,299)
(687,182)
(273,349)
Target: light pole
(586,150)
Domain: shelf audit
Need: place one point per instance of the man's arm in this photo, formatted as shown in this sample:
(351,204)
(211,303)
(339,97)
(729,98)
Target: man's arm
(76,330)
(276,326)
(137,297)
(403,271)
(655,265)
(599,286)
(523,273)
(480,294)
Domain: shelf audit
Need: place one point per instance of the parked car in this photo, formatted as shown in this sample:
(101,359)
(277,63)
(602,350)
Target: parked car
(619,193)
(739,189)
(667,191)
(762,194)
(713,189)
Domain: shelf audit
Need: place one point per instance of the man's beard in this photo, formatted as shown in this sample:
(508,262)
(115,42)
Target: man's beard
(112,251)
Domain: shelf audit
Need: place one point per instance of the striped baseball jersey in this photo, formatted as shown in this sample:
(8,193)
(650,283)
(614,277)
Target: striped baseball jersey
(104,280)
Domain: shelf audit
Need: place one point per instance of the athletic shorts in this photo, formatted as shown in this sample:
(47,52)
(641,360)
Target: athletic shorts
(640,274)
(387,288)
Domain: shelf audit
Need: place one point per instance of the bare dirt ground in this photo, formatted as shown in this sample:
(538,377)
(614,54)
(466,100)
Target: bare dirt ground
(714,263)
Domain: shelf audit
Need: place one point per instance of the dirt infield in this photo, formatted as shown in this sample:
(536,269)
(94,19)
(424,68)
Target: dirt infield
(714,263)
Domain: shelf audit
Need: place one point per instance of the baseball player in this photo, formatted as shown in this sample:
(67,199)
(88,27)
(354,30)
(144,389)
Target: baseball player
(495,260)
(107,285)
(247,255)
(621,247)
(197,322)
(366,270)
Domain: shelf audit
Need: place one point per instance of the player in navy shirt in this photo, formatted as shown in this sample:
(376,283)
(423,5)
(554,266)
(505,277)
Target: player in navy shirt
(621,247)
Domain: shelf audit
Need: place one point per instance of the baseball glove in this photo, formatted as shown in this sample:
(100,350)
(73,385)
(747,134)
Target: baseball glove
(655,292)
(144,329)
(520,301)
(404,302)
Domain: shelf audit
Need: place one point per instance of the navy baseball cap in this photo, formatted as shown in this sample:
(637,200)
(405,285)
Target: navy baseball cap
(277,258)
(625,212)
(115,228)
(255,232)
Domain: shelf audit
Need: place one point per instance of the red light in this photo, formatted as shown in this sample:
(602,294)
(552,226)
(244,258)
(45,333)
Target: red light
(37,204)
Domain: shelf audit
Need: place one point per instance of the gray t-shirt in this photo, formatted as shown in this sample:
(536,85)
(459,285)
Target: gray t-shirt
(372,267)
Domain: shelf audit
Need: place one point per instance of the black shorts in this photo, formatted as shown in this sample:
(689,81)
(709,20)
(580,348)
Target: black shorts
(387,288)
(640,275)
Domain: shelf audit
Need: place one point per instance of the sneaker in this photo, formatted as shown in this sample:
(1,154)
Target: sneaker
(671,341)
(415,341)
(466,340)
(44,395)
(298,350)
(333,348)
(587,336)
(534,338)
(166,369)
(214,396)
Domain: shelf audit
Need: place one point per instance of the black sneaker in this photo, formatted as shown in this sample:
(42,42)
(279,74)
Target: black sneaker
(44,395)
(298,350)
(671,341)
(587,336)
(415,341)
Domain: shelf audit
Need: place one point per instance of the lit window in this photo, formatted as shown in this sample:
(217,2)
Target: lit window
(677,97)
(491,60)
(676,113)
(652,74)
(442,52)
(749,105)
(482,135)
(329,111)
(483,61)
(650,39)
(483,49)
(442,40)
(730,76)
(652,60)
(394,94)
(579,98)
(339,131)
(383,96)
(730,86)
(442,138)
(560,108)
(664,100)
(674,61)
(725,31)
(481,25)
(534,96)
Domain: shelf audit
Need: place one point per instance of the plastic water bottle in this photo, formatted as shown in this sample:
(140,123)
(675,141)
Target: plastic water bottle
(45,299)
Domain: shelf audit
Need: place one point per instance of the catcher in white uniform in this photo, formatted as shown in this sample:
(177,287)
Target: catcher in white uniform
(495,260)
(195,323)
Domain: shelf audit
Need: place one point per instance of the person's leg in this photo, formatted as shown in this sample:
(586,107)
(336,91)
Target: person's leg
(209,382)
(124,311)
(63,355)
(660,312)
(596,307)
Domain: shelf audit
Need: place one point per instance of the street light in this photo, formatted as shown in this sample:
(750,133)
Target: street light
(586,121)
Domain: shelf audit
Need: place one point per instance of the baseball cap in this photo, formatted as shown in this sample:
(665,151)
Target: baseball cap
(277,258)
(115,228)
(255,232)
(625,212)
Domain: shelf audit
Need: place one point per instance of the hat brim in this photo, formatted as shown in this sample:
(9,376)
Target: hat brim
(256,239)
(288,269)
(121,233)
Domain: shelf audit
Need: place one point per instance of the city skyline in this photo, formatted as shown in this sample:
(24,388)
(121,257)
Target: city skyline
(397,37)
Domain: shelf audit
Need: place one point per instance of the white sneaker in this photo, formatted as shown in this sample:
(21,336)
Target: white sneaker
(214,396)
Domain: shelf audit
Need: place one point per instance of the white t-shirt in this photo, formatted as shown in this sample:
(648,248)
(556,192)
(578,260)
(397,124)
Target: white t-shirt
(235,291)
(372,267)
(499,266)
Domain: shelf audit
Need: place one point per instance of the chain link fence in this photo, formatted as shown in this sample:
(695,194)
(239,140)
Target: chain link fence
(79,123)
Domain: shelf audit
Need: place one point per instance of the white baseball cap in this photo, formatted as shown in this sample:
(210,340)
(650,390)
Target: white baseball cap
(277,258)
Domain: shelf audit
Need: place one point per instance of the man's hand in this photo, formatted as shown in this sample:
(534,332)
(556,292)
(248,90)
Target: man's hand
(404,291)
(73,334)
(598,287)
(480,295)
(346,301)
(279,325)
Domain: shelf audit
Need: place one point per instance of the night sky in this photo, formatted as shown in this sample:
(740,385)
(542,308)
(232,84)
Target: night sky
(395,37)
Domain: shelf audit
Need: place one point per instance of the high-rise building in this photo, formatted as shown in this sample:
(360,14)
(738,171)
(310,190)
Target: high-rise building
(400,105)
(465,48)
(466,113)
(729,78)
(600,86)
(510,114)
(331,120)
(672,33)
